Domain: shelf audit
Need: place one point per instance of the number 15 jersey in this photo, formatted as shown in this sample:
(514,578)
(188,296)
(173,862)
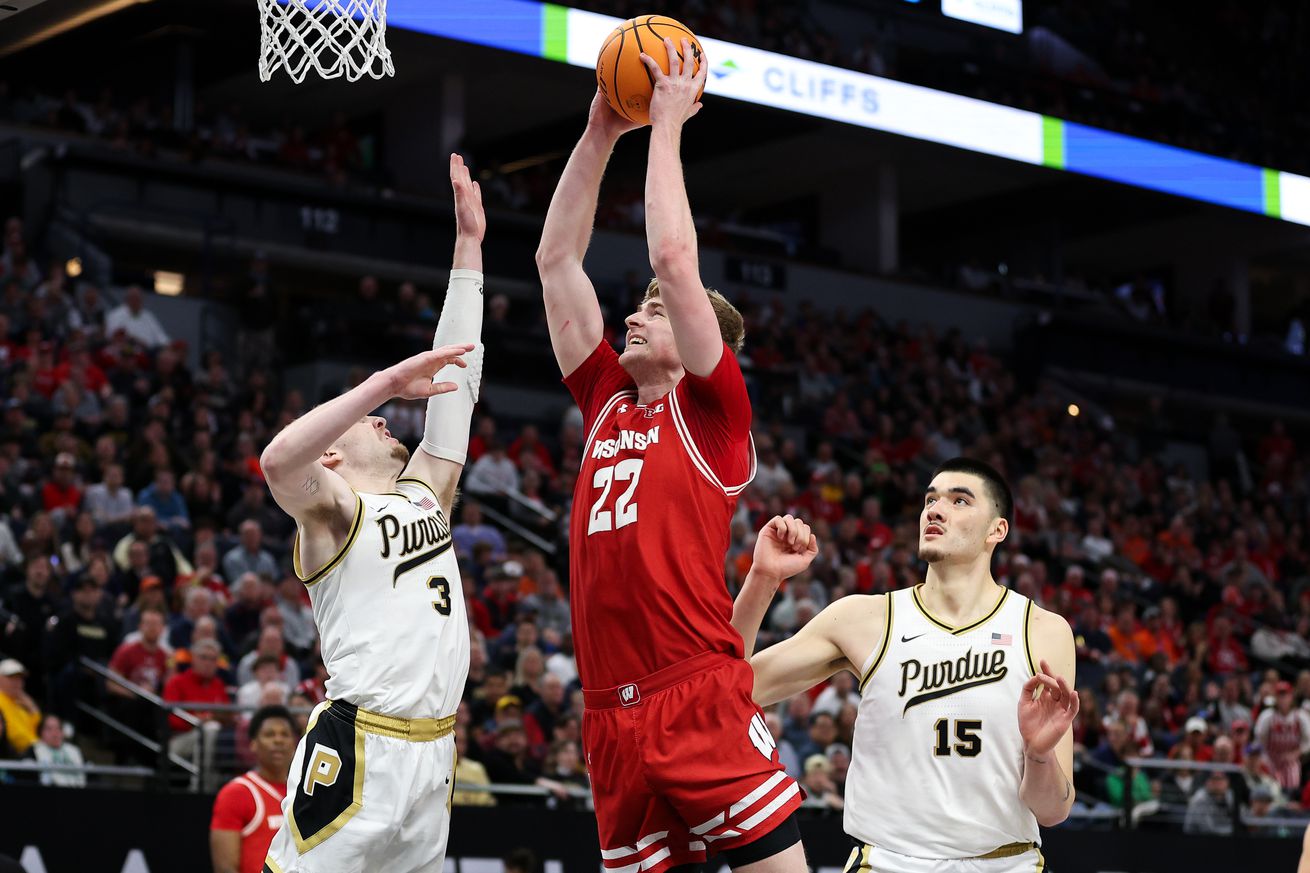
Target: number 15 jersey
(651,513)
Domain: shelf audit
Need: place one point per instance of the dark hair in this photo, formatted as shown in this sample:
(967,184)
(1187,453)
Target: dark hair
(264,713)
(997,489)
(521,859)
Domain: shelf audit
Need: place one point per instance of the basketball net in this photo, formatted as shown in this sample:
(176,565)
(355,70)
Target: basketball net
(332,37)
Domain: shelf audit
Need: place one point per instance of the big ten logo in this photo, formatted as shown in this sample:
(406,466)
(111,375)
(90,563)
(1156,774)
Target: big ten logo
(324,767)
(760,736)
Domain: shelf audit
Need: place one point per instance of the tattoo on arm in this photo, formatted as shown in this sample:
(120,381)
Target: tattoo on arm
(311,485)
(1068,789)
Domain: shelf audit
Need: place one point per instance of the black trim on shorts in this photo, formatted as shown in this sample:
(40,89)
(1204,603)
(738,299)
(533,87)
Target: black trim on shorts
(781,838)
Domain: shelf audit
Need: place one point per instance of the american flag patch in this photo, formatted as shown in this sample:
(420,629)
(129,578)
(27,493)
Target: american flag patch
(426,503)
(1002,639)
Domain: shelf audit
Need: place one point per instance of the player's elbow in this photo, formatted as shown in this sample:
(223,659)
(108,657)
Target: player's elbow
(273,461)
(1049,818)
(551,256)
(673,259)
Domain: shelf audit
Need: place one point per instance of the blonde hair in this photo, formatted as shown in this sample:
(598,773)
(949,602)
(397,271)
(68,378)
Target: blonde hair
(731,325)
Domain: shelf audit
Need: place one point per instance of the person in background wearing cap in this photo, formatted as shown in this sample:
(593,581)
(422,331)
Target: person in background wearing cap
(1284,733)
(1195,731)
(20,712)
(509,709)
(819,783)
(1210,809)
(508,760)
(82,631)
(502,593)
(61,494)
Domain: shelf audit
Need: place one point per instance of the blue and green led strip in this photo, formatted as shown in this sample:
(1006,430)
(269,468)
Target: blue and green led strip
(572,36)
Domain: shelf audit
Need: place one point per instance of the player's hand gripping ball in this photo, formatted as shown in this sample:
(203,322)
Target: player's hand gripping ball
(623,78)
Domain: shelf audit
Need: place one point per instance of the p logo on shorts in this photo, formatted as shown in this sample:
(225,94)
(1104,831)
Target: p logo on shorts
(324,767)
(629,695)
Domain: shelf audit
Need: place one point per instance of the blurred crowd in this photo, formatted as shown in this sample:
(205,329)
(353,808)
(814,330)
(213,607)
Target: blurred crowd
(139,125)
(137,533)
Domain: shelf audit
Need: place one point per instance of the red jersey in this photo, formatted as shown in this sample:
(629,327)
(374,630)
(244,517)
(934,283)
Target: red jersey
(252,805)
(651,512)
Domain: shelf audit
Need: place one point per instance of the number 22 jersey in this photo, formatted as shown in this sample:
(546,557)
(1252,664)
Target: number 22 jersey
(650,521)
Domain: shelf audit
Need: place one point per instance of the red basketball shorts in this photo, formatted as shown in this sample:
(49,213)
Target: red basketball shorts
(682,766)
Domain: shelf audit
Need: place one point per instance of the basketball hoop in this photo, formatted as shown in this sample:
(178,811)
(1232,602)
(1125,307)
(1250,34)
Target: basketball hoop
(332,37)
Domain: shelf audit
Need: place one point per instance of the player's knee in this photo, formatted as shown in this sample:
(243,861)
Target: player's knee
(781,838)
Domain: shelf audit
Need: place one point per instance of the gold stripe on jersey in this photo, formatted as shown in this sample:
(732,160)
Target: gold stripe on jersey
(1041,860)
(1027,636)
(356,523)
(859,860)
(886,644)
(270,866)
(1009,850)
(418,481)
(965,628)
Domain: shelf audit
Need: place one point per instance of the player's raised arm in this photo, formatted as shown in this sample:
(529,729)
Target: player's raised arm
(572,312)
(670,232)
(444,449)
(1047,709)
(784,547)
(293,463)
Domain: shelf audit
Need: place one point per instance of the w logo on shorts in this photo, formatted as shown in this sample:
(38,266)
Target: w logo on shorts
(629,694)
(760,736)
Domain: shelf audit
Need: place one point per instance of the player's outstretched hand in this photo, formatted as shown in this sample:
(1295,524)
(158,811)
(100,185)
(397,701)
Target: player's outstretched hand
(470,220)
(784,547)
(1047,708)
(603,118)
(677,93)
(411,379)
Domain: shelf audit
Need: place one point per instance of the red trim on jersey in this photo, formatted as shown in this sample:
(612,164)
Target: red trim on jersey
(252,806)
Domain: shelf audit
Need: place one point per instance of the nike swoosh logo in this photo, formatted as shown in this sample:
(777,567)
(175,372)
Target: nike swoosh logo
(911,639)
(405,566)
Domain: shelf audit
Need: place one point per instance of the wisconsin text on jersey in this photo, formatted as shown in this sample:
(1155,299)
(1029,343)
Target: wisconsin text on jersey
(627,439)
(945,678)
(430,530)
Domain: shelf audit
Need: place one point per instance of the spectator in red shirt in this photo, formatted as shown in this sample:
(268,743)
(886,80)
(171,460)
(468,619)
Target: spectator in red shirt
(1226,653)
(529,443)
(144,662)
(199,685)
(248,810)
(80,366)
(61,494)
(1194,736)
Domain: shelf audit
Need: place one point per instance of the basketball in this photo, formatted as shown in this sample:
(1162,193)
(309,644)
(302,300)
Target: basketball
(623,78)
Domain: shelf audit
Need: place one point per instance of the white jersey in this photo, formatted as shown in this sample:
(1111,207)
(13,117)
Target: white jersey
(937,758)
(390,608)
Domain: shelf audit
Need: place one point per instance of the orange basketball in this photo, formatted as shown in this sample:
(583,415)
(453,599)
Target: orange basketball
(623,78)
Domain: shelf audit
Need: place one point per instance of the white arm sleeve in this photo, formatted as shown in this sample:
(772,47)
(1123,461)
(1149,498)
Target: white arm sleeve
(446,433)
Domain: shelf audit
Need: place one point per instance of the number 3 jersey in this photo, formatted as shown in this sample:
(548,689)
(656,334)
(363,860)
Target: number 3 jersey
(650,520)
(390,608)
(938,758)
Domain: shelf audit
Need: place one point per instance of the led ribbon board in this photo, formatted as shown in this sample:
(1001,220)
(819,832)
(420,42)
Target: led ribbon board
(764,78)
